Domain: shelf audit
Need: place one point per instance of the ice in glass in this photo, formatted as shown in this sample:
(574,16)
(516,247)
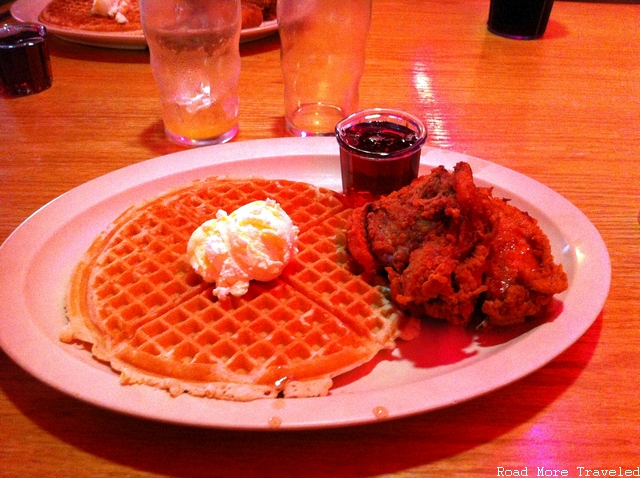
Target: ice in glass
(195,59)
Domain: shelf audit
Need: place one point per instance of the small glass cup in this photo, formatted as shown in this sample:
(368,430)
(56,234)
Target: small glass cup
(25,67)
(379,152)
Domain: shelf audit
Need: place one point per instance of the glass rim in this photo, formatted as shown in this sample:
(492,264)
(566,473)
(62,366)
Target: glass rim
(380,114)
(9,29)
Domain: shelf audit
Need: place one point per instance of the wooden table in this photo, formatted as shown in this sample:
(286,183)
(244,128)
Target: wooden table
(564,110)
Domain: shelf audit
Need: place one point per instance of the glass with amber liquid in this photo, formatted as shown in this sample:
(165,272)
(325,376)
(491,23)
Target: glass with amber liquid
(195,58)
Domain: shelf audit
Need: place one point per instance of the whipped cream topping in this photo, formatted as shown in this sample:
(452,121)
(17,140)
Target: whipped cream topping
(111,8)
(254,242)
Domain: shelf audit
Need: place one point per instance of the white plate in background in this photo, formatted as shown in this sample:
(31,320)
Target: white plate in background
(29,11)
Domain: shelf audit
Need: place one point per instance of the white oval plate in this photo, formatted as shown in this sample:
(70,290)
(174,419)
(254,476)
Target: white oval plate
(29,11)
(443,366)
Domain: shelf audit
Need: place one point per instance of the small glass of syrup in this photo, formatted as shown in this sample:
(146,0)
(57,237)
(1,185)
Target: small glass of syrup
(379,152)
(25,68)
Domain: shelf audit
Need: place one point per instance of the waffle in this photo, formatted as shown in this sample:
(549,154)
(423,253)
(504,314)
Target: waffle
(136,300)
(76,15)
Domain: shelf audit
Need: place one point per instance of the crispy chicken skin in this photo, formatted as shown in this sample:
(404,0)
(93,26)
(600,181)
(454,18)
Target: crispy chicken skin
(385,232)
(452,251)
(521,277)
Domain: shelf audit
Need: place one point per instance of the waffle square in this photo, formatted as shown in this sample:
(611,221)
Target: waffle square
(136,300)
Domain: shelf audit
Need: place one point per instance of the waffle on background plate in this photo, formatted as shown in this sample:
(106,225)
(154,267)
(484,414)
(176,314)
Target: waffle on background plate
(135,298)
(76,15)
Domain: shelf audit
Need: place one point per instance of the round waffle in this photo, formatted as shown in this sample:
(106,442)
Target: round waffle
(76,15)
(135,298)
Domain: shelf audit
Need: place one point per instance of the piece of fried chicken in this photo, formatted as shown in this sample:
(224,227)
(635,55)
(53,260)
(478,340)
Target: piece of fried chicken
(521,277)
(452,251)
(254,12)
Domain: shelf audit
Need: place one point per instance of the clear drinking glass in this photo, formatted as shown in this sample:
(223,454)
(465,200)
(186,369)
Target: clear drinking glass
(323,59)
(195,58)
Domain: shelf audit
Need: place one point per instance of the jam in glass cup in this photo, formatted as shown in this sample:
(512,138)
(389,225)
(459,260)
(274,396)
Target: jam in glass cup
(379,152)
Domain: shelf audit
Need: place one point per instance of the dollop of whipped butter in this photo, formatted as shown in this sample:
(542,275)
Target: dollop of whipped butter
(254,242)
(111,8)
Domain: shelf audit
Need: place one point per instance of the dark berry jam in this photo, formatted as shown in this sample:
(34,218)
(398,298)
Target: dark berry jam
(377,157)
(379,137)
(24,61)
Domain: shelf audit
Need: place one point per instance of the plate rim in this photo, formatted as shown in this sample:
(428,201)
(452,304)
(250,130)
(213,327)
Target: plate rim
(29,11)
(354,408)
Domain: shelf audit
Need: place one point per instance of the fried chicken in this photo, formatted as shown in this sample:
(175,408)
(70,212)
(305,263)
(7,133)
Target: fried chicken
(386,232)
(521,277)
(452,251)
(251,16)
(254,12)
